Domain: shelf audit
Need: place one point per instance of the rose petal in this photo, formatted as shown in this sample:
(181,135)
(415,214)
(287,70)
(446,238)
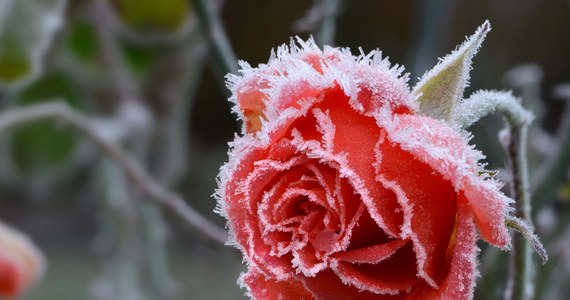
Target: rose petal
(460,281)
(366,232)
(327,285)
(262,287)
(372,254)
(446,151)
(391,276)
(356,139)
(431,205)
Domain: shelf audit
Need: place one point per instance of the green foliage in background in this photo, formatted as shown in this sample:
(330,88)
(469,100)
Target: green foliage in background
(152,15)
(44,145)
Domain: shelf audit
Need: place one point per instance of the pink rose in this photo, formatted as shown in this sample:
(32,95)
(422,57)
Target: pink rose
(339,189)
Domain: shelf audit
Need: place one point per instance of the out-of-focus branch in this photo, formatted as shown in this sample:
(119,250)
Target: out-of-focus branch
(111,51)
(217,39)
(320,19)
(61,112)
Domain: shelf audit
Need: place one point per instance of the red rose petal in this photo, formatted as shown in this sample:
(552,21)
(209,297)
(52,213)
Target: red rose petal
(488,205)
(372,254)
(264,288)
(432,207)
(367,233)
(327,285)
(391,276)
(356,139)
(460,280)
(435,143)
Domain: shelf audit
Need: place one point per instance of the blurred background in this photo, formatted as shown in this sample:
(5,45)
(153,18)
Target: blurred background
(148,75)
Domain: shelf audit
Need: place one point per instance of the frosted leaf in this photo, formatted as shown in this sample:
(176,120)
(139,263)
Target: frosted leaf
(525,229)
(26,30)
(441,88)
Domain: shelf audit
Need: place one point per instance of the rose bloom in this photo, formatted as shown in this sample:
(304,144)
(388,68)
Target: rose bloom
(21,263)
(339,189)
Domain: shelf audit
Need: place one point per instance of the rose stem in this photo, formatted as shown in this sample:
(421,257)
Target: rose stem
(520,285)
(60,112)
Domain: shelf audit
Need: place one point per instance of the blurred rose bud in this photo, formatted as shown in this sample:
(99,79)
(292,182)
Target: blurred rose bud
(21,263)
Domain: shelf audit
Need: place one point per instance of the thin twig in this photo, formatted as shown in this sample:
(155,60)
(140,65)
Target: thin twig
(214,31)
(61,112)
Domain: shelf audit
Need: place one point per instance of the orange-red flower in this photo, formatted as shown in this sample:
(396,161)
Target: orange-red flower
(339,189)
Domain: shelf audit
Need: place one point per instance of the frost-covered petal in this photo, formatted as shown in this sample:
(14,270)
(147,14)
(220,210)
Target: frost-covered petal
(371,254)
(460,280)
(327,285)
(267,288)
(425,196)
(356,140)
(392,276)
(299,72)
(447,152)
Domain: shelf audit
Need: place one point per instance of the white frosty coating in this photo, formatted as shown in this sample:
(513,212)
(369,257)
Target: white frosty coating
(441,88)
(289,76)
(482,103)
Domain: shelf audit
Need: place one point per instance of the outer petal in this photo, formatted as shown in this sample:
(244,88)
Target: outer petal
(446,151)
(460,281)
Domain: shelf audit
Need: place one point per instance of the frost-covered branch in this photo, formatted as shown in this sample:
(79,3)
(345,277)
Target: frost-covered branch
(61,112)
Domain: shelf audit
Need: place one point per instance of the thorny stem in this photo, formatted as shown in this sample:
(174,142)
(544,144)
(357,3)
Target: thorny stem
(217,38)
(61,112)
